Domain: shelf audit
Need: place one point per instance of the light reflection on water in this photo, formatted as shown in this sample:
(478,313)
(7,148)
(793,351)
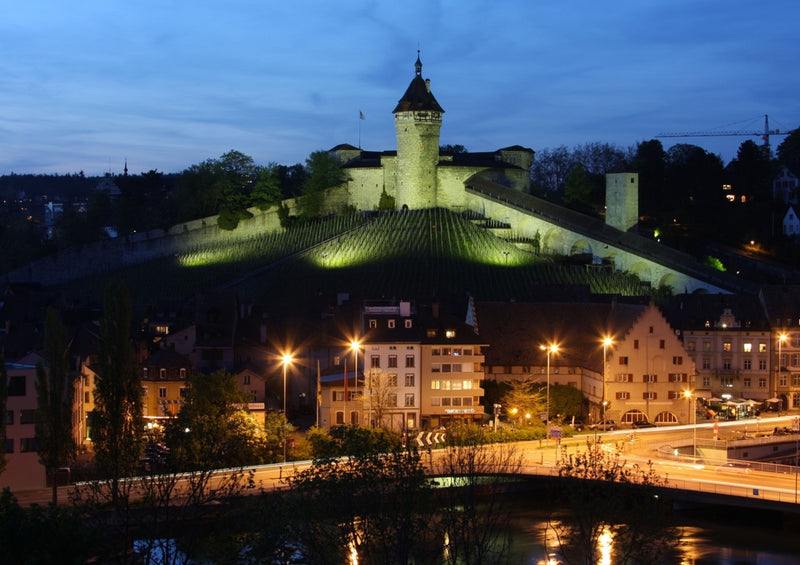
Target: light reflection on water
(700,545)
(535,544)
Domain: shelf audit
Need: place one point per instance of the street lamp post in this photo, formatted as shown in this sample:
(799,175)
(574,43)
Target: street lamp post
(781,338)
(287,359)
(607,342)
(354,345)
(553,348)
(688,394)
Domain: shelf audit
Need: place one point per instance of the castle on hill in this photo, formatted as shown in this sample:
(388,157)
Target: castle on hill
(416,175)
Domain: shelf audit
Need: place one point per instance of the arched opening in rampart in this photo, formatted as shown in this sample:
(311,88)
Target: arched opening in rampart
(581,247)
(671,280)
(641,270)
(551,241)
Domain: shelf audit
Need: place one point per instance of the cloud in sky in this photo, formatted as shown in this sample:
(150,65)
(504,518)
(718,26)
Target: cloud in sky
(168,84)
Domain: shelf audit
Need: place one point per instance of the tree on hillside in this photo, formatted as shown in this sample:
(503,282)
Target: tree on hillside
(83,222)
(752,171)
(266,191)
(146,202)
(550,170)
(578,190)
(386,203)
(291,179)
(54,391)
(222,186)
(750,175)
(599,158)
(323,171)
(450,149)
(694,179)
(649,163)
(117,424)
(789,149)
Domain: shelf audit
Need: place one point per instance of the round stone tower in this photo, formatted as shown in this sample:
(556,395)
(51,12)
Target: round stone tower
(417,121)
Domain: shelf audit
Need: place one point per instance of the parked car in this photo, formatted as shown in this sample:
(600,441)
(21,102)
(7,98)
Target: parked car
(578,425)
(605,425)
(639,424)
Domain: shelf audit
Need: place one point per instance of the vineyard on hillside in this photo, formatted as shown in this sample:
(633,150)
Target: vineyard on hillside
(425,254)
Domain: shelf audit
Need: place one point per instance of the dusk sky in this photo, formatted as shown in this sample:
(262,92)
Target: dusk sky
(170,83)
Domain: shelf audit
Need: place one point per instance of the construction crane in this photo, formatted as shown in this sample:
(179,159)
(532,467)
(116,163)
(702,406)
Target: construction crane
(763,134)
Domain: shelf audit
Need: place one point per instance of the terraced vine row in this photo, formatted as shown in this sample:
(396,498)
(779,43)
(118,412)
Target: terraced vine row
(418,254)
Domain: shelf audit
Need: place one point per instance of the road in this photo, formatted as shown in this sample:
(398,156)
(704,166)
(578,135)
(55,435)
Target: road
(639,447)
(642,446)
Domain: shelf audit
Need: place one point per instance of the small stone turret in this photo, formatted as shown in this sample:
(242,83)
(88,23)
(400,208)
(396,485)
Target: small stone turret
(622,200)
(417,121)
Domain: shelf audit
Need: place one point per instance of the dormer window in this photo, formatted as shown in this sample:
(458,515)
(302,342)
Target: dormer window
(373,323)
(450,334)
(408,324)
(391,323)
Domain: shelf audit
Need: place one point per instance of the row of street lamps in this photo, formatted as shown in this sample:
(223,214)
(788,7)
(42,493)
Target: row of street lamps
(287,359)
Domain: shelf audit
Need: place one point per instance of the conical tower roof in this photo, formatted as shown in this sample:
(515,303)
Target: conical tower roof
(418,96)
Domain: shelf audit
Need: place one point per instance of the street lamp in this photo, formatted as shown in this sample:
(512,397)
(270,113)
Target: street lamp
(781,338)
(354,345)
(607,342)
(552,348)
(287,360)
(688,395)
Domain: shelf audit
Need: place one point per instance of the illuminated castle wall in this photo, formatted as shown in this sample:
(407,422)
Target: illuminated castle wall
(416,175)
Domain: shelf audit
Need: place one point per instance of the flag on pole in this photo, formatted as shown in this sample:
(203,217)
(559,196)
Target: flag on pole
(360,115)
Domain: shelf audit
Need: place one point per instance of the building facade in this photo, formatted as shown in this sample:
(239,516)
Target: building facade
(416,370)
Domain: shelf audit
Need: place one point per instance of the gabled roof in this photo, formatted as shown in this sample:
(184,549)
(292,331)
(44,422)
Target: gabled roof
(781,301)
(692,311)
(418,96)
(164,358)
(516,330)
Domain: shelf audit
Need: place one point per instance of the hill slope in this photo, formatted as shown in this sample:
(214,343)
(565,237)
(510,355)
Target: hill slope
(425,254)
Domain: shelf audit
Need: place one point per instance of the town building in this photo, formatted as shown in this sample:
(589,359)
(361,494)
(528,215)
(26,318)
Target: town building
(164,380)
(791,223)
(416,370)
(786,185)
(728,338)
(23,470)
(781,304)
(625,358)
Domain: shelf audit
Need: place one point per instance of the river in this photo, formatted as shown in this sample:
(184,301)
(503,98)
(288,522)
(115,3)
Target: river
(702,542)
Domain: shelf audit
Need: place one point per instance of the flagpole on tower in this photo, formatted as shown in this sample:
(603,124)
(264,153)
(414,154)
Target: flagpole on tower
(360,117)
